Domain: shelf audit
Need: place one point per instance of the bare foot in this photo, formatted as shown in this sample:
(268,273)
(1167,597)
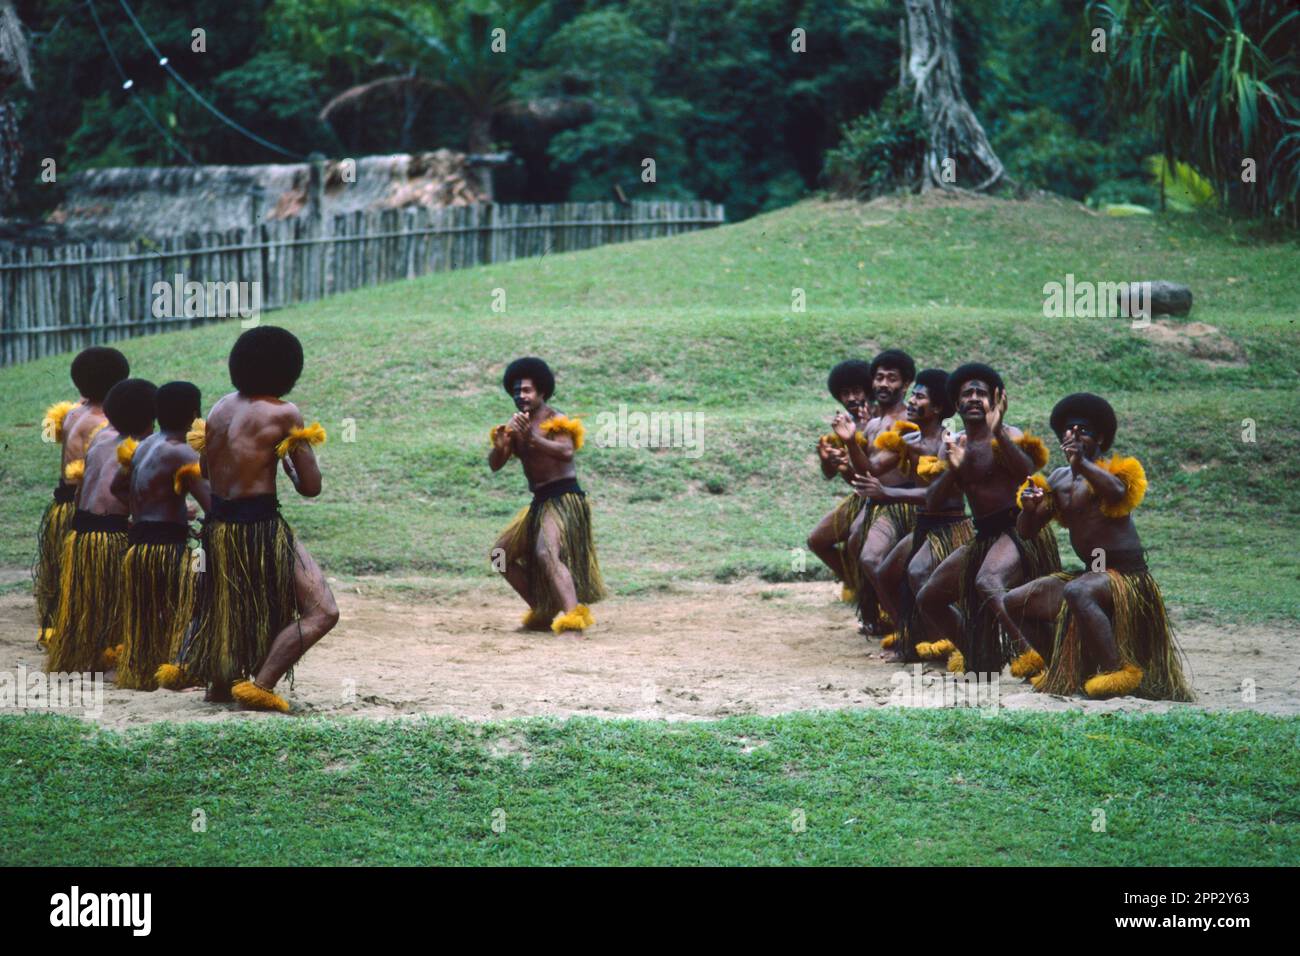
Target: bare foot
(218,694)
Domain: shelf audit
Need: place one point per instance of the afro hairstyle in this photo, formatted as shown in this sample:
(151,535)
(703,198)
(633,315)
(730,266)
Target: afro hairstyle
(177,405)
(1093,409)
(97,369)
(935,382)
(853,373)
(896,359)
(967,372)
(531,368)
(129,406)
(266,360)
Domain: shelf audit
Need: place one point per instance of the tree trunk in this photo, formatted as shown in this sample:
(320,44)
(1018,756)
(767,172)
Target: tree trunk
(953,134)
(480,141)
(15,72)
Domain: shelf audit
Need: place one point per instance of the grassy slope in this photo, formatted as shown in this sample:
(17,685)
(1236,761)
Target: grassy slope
(703,323)
(874,788)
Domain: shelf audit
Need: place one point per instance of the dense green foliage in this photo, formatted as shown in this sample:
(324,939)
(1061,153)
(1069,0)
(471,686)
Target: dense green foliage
(880,152)
(713,92)
(1221,82)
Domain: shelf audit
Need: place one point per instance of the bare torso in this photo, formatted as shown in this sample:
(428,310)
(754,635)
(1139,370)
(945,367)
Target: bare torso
(78,426)
(153,473)
(987,484)
(97,494)
(541,467)
(241,436)
(1080,512)
(931,444)
(882,423)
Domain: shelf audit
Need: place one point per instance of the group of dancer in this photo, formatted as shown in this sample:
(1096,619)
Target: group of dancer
(120,590)
(118,587)
(987,590)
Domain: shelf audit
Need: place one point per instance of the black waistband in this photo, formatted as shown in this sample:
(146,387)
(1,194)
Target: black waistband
(244,510)
(929,520)
(63,494)
(554,489)
(159,532)
(992,525)
(86,521)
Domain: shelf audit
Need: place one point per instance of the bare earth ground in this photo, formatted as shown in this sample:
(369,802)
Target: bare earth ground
(704,652)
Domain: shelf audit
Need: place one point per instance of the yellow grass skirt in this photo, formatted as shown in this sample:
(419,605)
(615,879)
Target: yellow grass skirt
(55,523)
(246,592)
(1143,636)
(89,619)
(572,516)
(160,586)
(944,536)
(985,644)
(903,518)
(842,518)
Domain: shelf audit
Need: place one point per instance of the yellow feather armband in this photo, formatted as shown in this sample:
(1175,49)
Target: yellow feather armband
(835,441)
(929,467)
(891,441)
(183,474)
(562,425)
(52,424)
(495,435)
(903,426)
(1037,481)
(1032,446)
(125,453)
(312,434)
(1134,477)
(197,436)
(74,470)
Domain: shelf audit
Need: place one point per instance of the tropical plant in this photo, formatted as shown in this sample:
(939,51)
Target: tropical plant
(447,49)
(1221,81)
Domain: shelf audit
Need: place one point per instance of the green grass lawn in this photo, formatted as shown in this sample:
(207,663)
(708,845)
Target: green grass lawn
(703,323)
(869,788)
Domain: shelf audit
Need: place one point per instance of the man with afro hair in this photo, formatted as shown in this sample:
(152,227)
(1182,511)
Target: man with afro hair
(160,575)
(1114,637)
(263,600)
(88,626)
(940,528)
(837,538)
(987,462)
(547,553)
(71,424)
(883,479)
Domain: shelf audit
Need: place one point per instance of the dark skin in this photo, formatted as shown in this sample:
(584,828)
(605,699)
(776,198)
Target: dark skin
(103,489)
(989,482)
(78,425)
(877,475)
(825,537)
(153,494)
(925,413)
(239,461)
(544,460)
(1078,491)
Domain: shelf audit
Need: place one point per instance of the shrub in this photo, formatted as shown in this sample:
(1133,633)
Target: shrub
(878,152)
